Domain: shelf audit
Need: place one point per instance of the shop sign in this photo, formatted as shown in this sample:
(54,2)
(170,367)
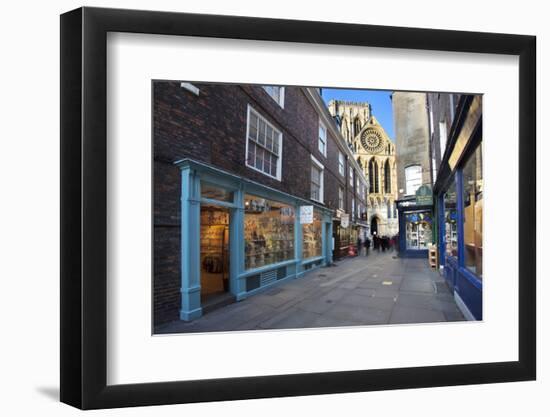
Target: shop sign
(344,221)
(306,214)
(424,195)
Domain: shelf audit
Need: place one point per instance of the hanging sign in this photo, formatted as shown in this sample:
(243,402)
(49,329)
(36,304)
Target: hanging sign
(424,195)
(306,214)
(344,221)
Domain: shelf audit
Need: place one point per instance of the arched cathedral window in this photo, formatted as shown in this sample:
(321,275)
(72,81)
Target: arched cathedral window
(373,176)
(387,177)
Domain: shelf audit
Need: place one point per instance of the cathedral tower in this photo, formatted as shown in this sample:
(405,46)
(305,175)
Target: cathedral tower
(375,152)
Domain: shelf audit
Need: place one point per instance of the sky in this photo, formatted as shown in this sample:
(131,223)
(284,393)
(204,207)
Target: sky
(380,103)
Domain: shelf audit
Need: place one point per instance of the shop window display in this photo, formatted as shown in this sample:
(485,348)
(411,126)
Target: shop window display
(346,236)
(312,243)
(473,213)
(451,236)
(268,232)
(418,230)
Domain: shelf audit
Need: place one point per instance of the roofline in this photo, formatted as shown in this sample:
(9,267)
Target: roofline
(313,96)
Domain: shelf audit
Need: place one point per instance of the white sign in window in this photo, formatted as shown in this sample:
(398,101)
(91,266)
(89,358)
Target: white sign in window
(306,214)
(344,221)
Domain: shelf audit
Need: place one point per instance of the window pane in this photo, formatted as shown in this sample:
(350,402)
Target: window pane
(273,165)
(315,175)
(277,94)
(259,158)
(263,145)
(413,178)
(268,232)
(314,191)
(269,143)
(418,226)
(276,139)
(312,243)
(451,238)
(268,135)
(261,133)
(251,152)
(215,193)
(253,126)
(473,213)
(267,163)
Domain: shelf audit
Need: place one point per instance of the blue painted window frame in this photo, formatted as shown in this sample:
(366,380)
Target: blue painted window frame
(193,173)
(459,181)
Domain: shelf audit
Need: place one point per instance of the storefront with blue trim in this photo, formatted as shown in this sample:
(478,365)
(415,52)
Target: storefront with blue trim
(239,237)
(459,207)
(416,226)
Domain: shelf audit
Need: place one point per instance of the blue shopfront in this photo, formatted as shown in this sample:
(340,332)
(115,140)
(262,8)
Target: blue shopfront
(239,237)
(459,207)
(416,226)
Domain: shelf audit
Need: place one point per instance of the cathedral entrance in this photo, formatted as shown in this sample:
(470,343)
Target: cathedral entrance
(374,226)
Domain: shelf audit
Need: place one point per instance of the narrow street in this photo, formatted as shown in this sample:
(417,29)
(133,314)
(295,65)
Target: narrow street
(366,290)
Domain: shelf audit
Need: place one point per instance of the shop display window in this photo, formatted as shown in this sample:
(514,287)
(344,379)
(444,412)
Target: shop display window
(473,213)
(418,227)
(268,232)
(312,239)
(451,216)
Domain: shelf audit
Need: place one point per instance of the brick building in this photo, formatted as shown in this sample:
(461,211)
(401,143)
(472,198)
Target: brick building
(248,183)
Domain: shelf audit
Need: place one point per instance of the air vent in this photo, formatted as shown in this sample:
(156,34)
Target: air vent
(268,277)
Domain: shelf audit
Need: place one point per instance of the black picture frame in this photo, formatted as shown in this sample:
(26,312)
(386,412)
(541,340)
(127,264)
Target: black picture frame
(84,207)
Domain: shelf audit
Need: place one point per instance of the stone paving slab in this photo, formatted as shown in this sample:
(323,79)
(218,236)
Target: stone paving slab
(365,290)
(401,315)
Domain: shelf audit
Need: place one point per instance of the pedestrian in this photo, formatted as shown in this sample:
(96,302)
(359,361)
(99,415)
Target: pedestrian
(359,245)
(367,245)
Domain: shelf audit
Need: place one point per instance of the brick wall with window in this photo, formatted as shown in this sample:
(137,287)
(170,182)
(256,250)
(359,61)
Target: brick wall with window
(211,127)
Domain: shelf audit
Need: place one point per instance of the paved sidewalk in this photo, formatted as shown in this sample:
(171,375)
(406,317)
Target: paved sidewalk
(378,289)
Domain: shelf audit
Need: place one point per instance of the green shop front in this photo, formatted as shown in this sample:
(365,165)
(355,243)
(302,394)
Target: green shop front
(239,237)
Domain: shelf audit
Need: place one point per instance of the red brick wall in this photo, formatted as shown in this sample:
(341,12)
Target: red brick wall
(211,128)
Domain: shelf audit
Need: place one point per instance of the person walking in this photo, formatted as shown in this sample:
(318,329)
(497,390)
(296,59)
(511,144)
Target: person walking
(359,245)
(367,245)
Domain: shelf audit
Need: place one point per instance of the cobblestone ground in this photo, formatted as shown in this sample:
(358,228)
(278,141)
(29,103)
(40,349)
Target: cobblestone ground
(366,290)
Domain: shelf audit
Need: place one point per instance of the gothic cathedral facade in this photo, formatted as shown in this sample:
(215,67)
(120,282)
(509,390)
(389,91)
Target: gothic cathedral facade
(375,152)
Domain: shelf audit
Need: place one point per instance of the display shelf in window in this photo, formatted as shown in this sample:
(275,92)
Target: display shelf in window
(312,239)
(268,232)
